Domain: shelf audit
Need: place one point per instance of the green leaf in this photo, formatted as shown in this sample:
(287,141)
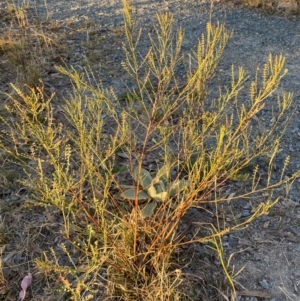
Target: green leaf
(149,209)
(125,187)
(117,169)
(157,194)
(162,197)
(144,177)
(131,194)
(162,174)
(238,215)
(160,187)
(177,186)
(152,191)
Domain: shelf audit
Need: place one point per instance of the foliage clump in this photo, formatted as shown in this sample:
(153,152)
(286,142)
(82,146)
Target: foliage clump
(94,166)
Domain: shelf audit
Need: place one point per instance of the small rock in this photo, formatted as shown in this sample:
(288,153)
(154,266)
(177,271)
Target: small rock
(173,172)
(193,211)
(264,284)
(246,213)
(225,238)
(231,239)
(247,206)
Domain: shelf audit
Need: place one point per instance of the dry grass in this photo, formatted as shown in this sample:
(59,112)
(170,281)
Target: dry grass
(95,203)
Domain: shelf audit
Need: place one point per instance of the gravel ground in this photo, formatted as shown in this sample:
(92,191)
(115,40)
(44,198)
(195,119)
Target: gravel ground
(255,34)
(273,251)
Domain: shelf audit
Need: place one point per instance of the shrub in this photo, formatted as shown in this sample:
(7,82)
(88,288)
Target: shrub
(123,174)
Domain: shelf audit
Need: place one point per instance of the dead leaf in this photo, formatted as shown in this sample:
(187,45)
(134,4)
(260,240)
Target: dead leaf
(230,196)
(266,224)
(26,282)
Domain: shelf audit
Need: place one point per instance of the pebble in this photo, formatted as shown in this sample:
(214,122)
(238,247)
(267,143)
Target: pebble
(231,239)
(264,284)
(246,213)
